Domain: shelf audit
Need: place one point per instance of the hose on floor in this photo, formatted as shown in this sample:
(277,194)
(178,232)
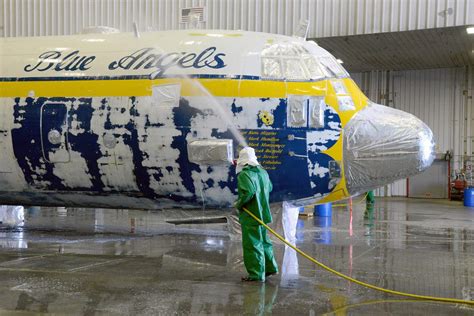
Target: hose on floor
(348,278)
(345,204)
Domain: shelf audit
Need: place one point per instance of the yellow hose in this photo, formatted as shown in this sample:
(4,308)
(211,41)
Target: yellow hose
(374,302)
(348,278)
(345,204)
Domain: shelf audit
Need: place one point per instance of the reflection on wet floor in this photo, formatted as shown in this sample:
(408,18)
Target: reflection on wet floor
(87,261)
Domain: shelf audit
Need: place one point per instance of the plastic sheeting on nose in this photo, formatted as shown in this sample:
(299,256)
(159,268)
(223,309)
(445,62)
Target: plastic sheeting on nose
(381,145)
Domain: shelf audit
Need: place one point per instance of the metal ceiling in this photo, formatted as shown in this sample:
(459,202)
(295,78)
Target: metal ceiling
(422,49)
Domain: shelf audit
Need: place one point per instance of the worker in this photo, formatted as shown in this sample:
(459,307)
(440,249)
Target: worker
(369,204)
(254,187)
(370,198)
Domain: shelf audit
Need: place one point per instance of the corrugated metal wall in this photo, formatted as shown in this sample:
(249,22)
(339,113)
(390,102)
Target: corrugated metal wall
(430,95)
(327,17)
(439,97)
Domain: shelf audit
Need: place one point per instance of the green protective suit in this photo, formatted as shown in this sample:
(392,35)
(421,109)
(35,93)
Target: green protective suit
(254,188)
(370,199)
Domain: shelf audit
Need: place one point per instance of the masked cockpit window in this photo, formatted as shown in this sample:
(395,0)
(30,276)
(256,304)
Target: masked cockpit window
(293,69)
(332,68)
(272,68)
(313,66)
(290,61)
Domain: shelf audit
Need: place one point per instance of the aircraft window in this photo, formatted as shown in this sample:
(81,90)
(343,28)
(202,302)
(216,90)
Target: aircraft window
(297,106)
(211,151)
(109,140)
(294,69)
(272,68)
(339,87)
(54,137)
(317,106)
(313,68)
(289,61)
(332,67)
(345,103)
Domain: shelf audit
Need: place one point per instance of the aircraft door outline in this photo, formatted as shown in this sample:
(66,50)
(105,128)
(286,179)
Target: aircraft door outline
(54,129)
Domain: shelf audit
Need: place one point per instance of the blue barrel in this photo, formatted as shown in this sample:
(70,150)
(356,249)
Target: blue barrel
(300,230)
(469,197)
(325,221)
(323,235)
(323,210)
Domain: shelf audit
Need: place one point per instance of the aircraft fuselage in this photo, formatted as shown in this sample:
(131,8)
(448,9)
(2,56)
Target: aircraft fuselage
(111,120)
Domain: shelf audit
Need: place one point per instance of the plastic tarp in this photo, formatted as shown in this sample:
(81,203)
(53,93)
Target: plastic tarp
(381,145)
(211,151)
(12,215)
(166,95)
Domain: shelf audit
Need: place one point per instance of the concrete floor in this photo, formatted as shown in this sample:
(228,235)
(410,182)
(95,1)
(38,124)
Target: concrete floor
(95,261)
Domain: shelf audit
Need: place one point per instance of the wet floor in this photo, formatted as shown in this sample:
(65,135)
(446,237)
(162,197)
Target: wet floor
(97,261)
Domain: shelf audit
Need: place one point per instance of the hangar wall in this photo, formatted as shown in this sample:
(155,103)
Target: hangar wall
(442,98)
(327,17)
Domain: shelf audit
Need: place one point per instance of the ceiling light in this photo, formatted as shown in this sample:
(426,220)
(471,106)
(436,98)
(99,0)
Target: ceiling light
(339,61)
(470,30)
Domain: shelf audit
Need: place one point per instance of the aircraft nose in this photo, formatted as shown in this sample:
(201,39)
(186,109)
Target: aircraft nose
(381,145)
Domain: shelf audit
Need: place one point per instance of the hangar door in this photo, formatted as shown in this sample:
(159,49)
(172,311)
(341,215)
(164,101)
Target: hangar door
(432,183)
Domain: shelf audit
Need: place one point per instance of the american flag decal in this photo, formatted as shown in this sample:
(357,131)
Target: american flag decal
(186,13)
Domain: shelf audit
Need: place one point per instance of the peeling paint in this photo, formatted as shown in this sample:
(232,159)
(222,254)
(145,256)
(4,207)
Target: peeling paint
(147,151)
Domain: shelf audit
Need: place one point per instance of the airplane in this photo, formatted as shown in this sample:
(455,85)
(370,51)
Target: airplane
(154,120)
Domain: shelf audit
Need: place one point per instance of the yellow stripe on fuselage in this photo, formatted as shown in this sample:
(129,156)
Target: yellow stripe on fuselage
(189,87)
(143,87)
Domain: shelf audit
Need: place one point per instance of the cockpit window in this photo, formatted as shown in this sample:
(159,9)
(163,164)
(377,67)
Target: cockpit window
(313,66)
(294,69)
(332,67)
(271,68)
(292,61)
(289,61)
